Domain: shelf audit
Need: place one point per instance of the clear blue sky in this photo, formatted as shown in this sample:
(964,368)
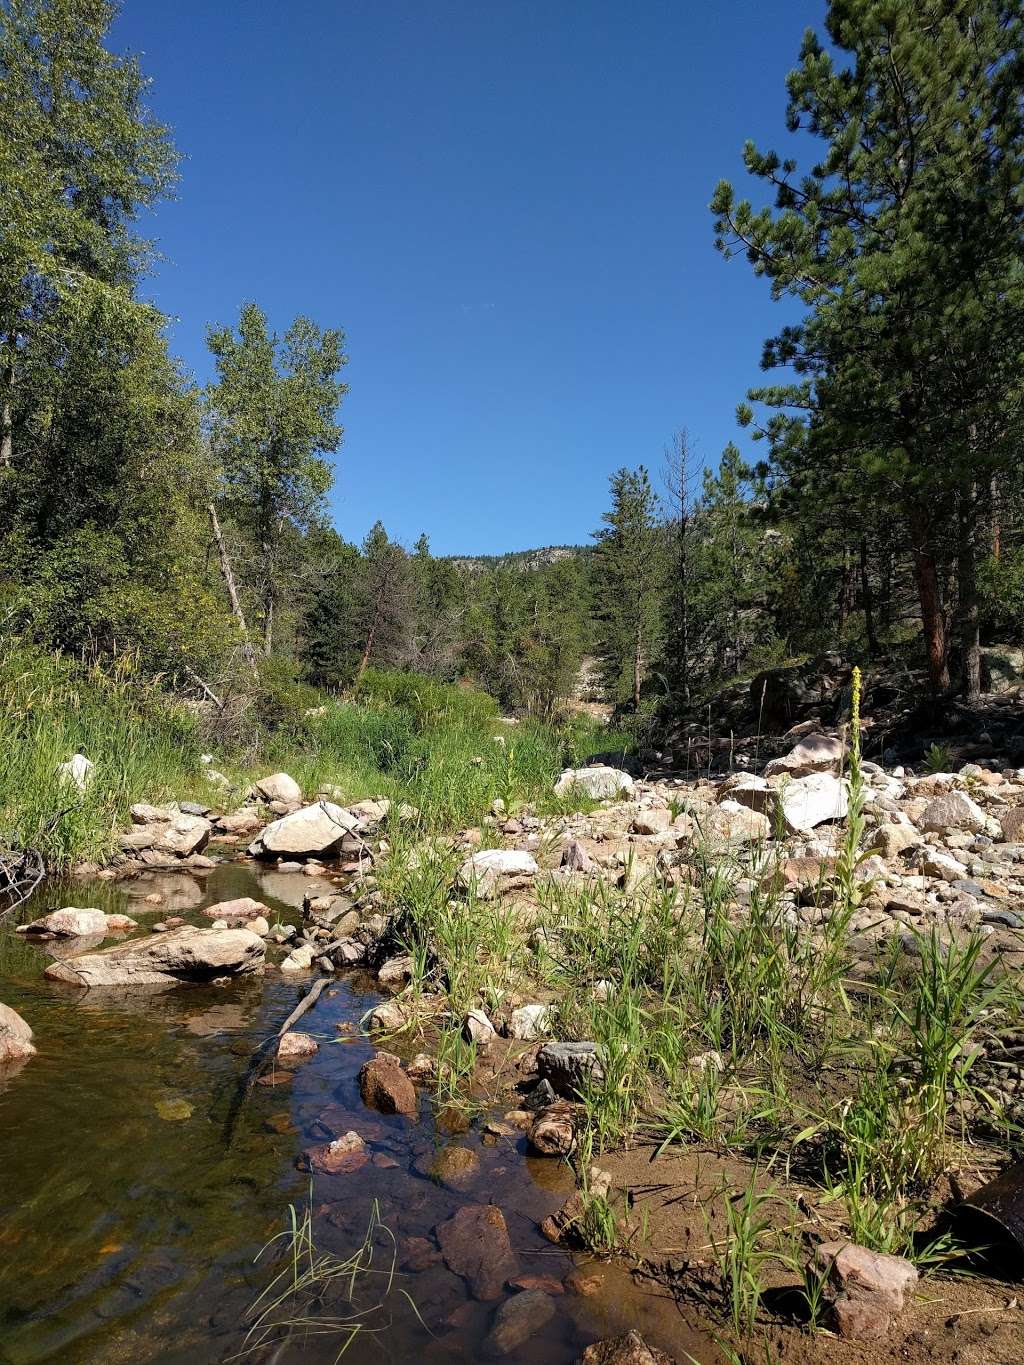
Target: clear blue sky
(504,204)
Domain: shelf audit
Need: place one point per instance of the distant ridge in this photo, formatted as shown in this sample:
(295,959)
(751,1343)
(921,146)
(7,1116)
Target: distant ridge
(518,559)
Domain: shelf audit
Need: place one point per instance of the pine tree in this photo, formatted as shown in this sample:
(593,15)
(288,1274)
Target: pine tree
(905,244)
(630,582)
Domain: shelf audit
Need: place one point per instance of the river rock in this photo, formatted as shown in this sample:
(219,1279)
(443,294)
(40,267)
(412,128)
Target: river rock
(279,787)
(867,1288)
(601,783)
(475,1244)
(181,955)
(144,814)
(384,1086)
(454,1167)
(954,811)
(345,1153)
(314,831)
(483,872)
(1011,823)
(295,1047)
(630,1349)
(517,1320)
(15,1036)
(241,908)
(71,922)
(477,1028)
(530,1022)
(570,1067)
(814,754)
(809,801)
(244,821)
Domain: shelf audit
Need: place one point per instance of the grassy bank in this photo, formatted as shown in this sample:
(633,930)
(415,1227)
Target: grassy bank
(444,749)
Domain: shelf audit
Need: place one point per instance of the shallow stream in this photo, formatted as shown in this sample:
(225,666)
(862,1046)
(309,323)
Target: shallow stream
(139,1179)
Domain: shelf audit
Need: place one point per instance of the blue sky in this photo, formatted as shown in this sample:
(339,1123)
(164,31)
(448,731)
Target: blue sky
(504,204)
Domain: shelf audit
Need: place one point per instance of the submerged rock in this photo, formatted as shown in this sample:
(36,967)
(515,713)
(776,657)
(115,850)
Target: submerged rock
(518,1319)
(630,1349)
(475,1244)
(15,1036)
(181,955)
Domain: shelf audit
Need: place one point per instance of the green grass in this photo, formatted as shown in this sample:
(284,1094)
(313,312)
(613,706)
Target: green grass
(440,748)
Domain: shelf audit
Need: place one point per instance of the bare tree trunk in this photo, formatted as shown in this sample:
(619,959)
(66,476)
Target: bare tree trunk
(365,657)
(7,417)
(970,613)
(929,594)
(229,580)
(867,601)
(997,520)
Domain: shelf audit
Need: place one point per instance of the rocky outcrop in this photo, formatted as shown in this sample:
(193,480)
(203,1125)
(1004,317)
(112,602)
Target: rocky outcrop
(315,831)
(15,1036)
(170,959)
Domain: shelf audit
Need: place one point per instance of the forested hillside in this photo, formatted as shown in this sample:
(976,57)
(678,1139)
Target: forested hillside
(186,528)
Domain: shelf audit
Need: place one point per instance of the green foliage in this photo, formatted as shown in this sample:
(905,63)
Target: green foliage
(904,244)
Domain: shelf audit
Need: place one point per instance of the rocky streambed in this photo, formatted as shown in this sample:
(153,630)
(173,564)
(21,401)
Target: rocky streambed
(142,1173)
(156,1128)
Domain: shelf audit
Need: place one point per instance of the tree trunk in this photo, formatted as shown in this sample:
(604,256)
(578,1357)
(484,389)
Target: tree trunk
(867,601)
(7,416)
(970,612)
(846,590)
(929,595)
(268,624)
(365,657)
(638,663)
(229,580)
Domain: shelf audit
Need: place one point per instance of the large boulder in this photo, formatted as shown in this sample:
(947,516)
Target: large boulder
(731,825)
(814,754)
(601,783)
(182,955)
(179,836)
(570,1068)
(484,872)
(384,1086)
(280,787)
(314,831)
(71,922)
(809,801)
(15,1036)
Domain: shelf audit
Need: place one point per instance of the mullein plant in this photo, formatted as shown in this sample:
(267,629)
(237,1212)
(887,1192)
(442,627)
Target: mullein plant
(851,890)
